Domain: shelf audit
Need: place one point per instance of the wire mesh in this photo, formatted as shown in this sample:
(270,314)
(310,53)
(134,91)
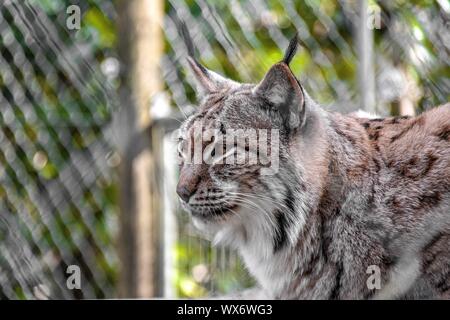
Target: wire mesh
(242,39)
(58,188)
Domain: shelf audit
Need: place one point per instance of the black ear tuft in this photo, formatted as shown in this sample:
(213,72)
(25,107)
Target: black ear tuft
(291,49)
(207,81)
(186,38)
(189,43)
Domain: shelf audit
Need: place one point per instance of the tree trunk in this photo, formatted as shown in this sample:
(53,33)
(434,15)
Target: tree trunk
(140,50)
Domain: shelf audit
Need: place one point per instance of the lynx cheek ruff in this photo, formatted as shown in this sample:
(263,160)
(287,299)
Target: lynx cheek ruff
(352,201)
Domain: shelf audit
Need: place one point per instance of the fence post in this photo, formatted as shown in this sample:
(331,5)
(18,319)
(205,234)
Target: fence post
(140,50)
(366,75)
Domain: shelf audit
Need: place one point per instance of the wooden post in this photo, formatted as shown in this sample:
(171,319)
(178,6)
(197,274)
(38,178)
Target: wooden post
(410,95)
(366,75)
(140,50)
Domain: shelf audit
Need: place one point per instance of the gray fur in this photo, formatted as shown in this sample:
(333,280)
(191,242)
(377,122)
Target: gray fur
(350,193)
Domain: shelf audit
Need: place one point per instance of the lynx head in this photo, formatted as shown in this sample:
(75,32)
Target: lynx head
(219,192)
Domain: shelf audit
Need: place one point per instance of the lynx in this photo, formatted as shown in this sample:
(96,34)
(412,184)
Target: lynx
(350,194)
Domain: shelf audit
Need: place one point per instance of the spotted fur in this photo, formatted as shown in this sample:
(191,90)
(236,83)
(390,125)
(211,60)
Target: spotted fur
(350,193)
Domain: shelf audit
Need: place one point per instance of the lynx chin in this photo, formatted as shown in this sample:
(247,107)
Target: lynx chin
(350,192)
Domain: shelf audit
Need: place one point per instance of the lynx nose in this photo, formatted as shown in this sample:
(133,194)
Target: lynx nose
(184,192)
(189,181)
(187,185)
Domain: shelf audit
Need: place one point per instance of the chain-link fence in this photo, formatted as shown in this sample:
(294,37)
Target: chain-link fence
(58,187)
(406,46)
(57,195)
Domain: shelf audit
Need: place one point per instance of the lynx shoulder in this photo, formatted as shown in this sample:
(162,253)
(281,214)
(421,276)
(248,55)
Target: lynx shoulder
(355,208)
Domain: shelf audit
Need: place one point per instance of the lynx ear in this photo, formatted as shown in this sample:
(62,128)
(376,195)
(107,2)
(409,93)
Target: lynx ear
(283,91)
(207,81)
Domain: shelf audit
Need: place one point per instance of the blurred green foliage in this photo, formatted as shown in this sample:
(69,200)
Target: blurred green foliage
(60,120)
(69,118)
(326,63)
